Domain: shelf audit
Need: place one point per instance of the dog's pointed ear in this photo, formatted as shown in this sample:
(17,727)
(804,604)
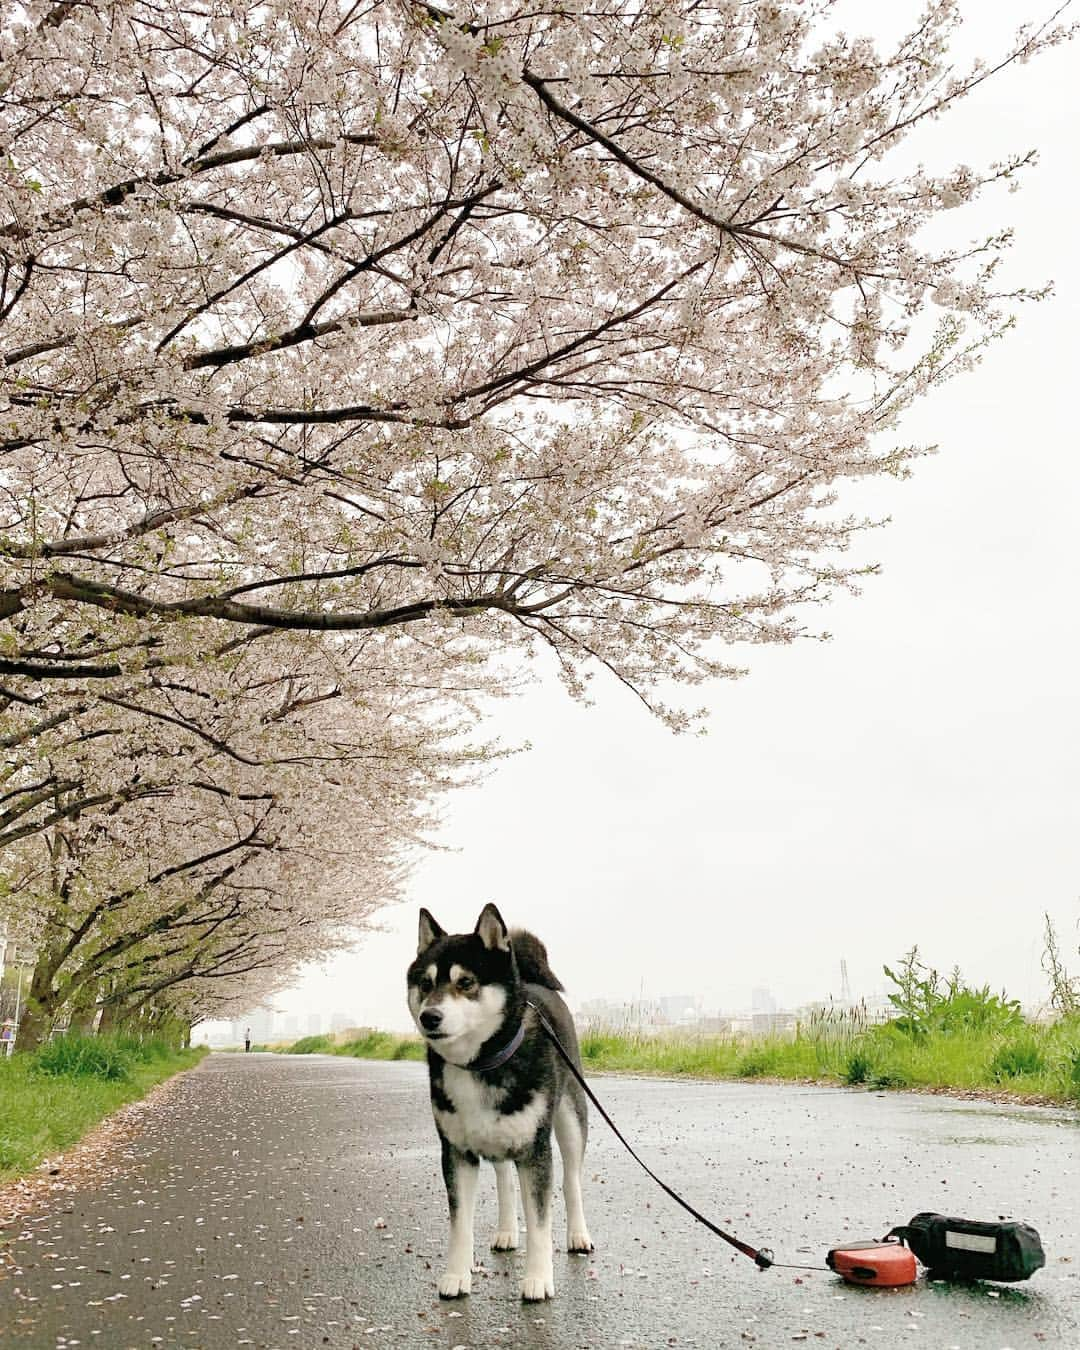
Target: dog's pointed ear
(491,930)
(429,932)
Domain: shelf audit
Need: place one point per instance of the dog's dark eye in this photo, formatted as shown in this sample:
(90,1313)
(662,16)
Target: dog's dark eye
(427,985)
(465,983)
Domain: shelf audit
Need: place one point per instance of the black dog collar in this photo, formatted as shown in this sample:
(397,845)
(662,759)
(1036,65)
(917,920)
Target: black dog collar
(500,1057)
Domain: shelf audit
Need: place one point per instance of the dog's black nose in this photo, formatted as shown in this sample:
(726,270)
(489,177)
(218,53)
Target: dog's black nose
(430,1019)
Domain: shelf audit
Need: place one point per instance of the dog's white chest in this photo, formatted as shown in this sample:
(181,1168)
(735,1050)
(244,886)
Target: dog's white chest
(476,1125)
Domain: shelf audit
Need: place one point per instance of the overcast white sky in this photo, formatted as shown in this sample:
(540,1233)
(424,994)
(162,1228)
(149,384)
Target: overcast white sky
(913,781)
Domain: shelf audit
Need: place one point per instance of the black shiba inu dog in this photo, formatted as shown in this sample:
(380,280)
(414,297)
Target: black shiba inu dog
(499,1089)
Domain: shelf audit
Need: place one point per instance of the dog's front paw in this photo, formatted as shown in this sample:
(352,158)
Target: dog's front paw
(505,1240)
(579,1241)
(455,1286)
(536,1288)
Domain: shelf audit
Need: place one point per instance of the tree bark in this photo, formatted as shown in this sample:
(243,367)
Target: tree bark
(34,1027)
(84,1010)
(40,1009)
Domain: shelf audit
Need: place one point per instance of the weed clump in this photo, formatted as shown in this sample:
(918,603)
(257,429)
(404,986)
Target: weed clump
(72,1056)
(756,1064)
(1016,1057)
(1072,1075)
(858,1068)
(927,1004)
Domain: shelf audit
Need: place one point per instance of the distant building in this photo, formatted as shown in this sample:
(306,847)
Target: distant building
(763,1001)
(340,1021)
(604,1014)
(680,1009)
(314,1024)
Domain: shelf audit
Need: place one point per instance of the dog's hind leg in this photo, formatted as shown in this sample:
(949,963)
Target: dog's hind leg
(571,1130)
(506,1234)
(535,1177)
(460,1171)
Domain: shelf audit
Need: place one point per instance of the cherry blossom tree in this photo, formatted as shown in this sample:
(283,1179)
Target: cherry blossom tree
(122,927)
(228,869)
(349,353)
(216,727)
(161,844)
(486,329)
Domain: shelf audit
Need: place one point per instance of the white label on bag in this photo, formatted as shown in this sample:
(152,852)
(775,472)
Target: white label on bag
(970,1242)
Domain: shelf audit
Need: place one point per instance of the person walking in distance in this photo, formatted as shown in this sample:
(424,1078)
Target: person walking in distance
(247,1040)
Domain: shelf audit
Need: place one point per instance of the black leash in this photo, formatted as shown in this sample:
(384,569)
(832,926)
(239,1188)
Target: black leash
(762,1257)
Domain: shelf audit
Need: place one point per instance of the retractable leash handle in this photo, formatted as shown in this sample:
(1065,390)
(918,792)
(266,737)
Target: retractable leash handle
(761,1256)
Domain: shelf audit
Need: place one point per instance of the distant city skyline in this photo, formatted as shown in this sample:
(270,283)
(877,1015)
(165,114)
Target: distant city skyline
(662,1010)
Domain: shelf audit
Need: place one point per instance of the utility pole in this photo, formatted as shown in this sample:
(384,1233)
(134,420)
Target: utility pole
(845,987)
(18,990)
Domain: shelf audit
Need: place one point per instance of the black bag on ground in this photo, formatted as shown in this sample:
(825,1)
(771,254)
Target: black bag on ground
(963,1249)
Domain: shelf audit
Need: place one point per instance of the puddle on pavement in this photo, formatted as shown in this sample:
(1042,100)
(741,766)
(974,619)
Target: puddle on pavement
(977,1140)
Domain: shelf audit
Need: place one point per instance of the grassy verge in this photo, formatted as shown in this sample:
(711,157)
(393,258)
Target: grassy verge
(358,1043)
(1030,1060)
(50,1099)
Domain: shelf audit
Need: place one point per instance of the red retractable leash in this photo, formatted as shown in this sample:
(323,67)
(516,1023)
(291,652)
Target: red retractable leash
(954,1248)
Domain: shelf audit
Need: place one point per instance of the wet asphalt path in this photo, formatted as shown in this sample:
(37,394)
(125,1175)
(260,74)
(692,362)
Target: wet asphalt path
(296,1202)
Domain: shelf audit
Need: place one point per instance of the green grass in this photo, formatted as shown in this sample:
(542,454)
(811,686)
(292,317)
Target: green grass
(382,1045)
(362,1043)
(50,1099)
(1000,1054)
(1028,1060)
(1024,1059)
(312,1045)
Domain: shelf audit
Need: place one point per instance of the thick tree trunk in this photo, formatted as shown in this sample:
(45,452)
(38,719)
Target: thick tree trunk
(84,1010)
(39,1011)
(82,1021)
(34,1027)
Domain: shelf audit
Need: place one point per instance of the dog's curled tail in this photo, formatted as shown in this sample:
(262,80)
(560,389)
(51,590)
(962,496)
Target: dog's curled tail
(532,960)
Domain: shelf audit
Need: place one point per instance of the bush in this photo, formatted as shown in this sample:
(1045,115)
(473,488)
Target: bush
(966,1009)
(927,1003)
(1017,1057)
(74,1056)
